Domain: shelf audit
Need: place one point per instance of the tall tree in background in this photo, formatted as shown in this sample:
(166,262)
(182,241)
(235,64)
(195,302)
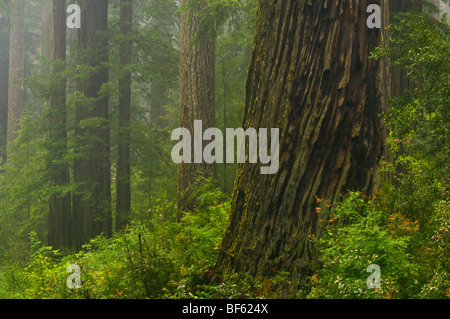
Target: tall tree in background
(58,167)
(92,214)
(123,203)
(46,30)
(4,76)
(197,90)
(16,69)
(310,76)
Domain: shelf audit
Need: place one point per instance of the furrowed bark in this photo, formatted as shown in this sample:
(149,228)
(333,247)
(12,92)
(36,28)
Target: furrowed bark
(310,76)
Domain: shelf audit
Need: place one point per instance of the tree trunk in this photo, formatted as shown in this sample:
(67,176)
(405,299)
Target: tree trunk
(123,203)
(92,214)
(59,204)
(4,76)
(16,70)
(197,94)
(46,29)
(310,76)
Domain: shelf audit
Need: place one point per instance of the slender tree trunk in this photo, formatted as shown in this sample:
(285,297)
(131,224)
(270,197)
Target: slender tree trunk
(310,76)
(92,214)
(58,167)
(123,186)
(16,70)
(46,29)
(4,79)
(197,93)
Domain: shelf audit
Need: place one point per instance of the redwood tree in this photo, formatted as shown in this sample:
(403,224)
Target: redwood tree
(311,77)
(123,186)
(4,79)
(197,90)
(92,213)
(16,69)
(58,166)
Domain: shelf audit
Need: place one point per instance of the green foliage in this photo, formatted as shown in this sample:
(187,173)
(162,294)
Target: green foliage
(202,229)
(22,192)
(204,284)
(413,264)
(404,229)
(142,262)
(347,250)
(419,121)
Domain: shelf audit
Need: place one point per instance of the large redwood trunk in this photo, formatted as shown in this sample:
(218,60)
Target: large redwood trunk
(197,92)
(310,76)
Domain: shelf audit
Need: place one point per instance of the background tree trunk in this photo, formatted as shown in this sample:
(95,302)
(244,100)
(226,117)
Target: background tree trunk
(123,203)
(16,69)
(197,92)
(92,203)
(46,30)
(310,76)
(58,167)
(4,79)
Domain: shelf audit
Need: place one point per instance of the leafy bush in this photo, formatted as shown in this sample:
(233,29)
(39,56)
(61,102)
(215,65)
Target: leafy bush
(143,261)
(347,251)
(419,121)
(363,233)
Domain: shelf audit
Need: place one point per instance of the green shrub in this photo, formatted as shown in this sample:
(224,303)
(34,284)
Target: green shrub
(143,261)
(347,250)
(413,263)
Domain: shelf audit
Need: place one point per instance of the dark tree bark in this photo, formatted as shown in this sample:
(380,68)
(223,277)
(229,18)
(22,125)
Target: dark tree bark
(58,167)
(197,93)
(92,213)
(16,70)
(4,79)
(310,76)
(123,186)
